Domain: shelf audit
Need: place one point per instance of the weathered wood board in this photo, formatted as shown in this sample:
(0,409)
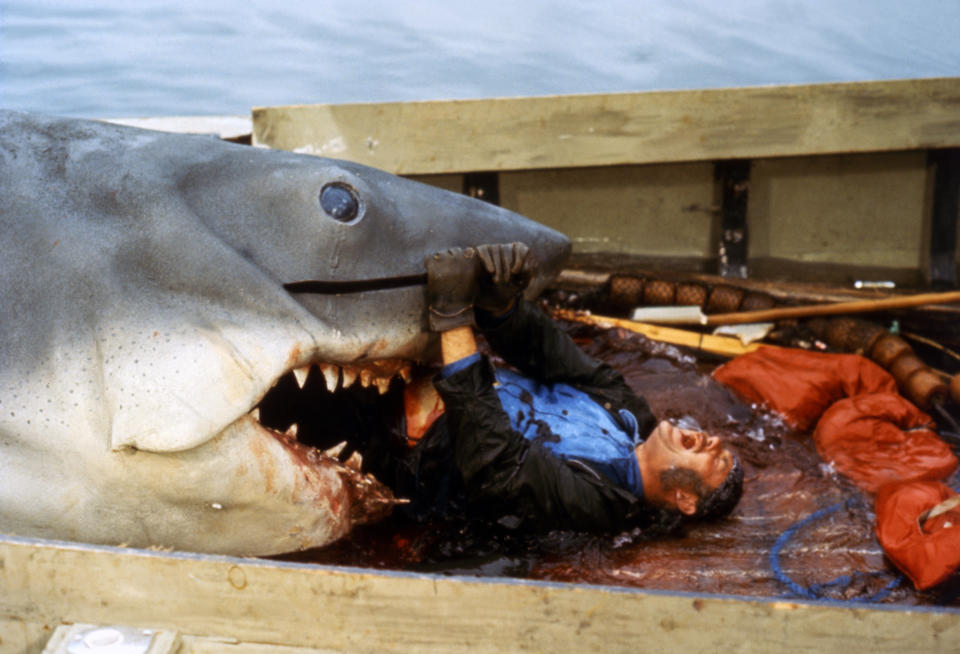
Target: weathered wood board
(272,603)
(669,209)
(856,209)
(624,128)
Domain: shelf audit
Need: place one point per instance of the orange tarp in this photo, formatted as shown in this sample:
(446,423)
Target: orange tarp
(926,552)
(800,385)
(870,434)
(864,428)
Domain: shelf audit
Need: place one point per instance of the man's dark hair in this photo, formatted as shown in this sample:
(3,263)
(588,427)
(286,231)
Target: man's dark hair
(723,499)
(711,504)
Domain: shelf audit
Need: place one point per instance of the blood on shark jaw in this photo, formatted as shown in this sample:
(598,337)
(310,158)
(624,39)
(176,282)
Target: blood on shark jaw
(335,410)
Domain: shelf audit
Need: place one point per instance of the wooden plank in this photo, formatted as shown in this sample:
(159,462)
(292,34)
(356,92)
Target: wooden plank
(662,210)
(23,637)
(296,605)
(447,182)
(196,645)
(625,128)
(861,209)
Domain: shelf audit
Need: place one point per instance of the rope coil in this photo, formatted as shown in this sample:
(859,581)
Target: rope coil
(818,590)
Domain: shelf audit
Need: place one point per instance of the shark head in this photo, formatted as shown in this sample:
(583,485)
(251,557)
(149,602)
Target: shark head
(159,288)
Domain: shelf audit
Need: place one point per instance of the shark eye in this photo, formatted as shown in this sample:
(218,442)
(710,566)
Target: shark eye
(340,202)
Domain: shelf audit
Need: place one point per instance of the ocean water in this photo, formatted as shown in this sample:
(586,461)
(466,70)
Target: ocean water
(110,58)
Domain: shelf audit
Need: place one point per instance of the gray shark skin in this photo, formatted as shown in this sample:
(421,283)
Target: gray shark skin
(143,316)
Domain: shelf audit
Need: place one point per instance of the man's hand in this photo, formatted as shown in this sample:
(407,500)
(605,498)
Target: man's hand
(507,269)
(451,288)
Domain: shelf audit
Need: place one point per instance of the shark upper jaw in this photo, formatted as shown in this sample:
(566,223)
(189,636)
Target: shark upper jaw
(324,405)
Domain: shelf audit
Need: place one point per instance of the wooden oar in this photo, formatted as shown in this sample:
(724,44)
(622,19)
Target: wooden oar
(857,306)
(724,345)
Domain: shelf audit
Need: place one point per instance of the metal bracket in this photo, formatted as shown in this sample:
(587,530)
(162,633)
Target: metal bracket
(112,639)
(483,186)
(733,178)
(945,217)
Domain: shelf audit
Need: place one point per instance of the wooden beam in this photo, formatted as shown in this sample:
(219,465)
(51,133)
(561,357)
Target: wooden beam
(625,128)
(340,609)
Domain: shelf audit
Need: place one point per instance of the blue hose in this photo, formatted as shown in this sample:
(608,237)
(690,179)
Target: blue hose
(817,591)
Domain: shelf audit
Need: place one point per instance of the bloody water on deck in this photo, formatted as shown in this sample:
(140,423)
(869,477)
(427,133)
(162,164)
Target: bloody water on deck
(785,482)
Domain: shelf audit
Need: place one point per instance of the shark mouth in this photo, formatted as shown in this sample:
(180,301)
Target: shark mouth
(337,408)
(327,414)
(356,286)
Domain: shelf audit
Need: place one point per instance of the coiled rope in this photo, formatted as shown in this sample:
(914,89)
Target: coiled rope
(817,591)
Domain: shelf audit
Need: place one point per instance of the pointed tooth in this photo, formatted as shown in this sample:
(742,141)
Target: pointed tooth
(355,461)
(383,384)
(331,375)
(406,374)
(255,414)
(301,375)
(292,430)
(365,378)
(349,376)
(335,451)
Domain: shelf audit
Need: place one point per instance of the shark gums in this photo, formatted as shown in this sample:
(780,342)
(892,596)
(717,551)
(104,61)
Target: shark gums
(158,289)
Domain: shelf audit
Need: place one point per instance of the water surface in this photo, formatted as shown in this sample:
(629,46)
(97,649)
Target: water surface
(103,58)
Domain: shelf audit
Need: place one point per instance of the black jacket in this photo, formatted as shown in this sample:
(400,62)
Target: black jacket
(472,458)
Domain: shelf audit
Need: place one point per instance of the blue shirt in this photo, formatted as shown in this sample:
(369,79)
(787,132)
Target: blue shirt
(569,423)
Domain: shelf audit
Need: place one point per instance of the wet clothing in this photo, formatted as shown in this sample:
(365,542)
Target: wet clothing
(504,449)
(568,423)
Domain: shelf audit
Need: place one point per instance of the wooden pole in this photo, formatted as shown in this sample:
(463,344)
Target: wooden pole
(724,345)
(858,306)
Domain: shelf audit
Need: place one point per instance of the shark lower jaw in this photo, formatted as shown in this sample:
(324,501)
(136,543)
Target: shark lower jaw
(322,414)
(325,413)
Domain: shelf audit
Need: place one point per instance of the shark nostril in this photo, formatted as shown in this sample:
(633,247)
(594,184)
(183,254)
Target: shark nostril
(340,202)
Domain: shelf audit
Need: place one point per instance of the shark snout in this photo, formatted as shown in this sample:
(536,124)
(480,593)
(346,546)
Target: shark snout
(550,250)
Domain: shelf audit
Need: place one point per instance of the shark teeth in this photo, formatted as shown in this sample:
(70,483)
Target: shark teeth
(349,375)
(366,377)
(301,375)
(331,375)
(375,373)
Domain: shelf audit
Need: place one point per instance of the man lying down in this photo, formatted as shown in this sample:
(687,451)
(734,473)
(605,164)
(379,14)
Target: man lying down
(563,444)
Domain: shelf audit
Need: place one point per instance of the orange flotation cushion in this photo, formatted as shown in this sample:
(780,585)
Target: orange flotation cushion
(800,385)
(882,437)
(868,431)
(927,554)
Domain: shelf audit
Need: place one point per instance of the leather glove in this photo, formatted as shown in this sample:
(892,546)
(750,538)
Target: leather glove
(451,288)
(506,271)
